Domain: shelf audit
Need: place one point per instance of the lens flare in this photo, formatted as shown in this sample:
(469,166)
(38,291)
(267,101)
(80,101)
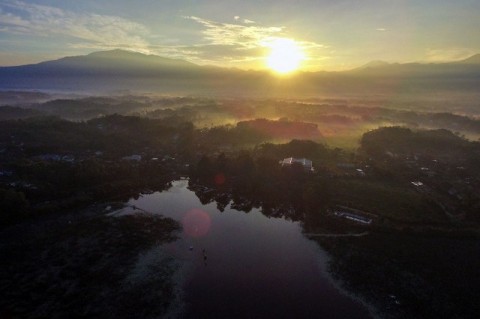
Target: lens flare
(220,179)
(196,223)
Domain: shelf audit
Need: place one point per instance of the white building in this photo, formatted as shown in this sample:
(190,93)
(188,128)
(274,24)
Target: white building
(306,163)
(351,216)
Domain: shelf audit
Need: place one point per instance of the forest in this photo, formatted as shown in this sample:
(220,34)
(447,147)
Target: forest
(52,164)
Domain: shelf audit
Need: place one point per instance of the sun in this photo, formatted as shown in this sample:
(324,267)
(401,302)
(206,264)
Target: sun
(285,55)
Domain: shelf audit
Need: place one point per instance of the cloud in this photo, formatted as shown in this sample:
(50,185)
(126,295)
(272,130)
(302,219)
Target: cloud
(246,21)
(227,43)
(241,36)
(17,17)
(381,29)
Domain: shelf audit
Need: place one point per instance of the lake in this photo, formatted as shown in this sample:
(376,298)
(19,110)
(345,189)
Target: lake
(246,265)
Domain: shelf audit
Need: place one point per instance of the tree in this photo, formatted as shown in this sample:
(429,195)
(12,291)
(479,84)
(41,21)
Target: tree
(13,206)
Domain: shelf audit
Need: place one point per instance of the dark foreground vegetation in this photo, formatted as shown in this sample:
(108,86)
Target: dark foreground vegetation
(409,276)
(418,187)
(79,267)
(49,164)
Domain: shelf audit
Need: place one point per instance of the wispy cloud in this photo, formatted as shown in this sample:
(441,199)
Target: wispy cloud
(246,21)
(242,36)
(89,30)
(381,29)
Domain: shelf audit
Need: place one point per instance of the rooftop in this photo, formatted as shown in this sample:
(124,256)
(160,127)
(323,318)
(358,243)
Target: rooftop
(306,163)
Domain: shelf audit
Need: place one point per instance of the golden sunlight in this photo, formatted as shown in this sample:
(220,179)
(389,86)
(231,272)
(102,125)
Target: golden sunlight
(285,55)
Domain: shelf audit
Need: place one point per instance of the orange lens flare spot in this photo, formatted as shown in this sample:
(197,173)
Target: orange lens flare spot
(219,179)
(196,223)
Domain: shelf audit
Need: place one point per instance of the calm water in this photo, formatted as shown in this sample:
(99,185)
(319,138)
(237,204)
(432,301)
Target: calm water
(255,266)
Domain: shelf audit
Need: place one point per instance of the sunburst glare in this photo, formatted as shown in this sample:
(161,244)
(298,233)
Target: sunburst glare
(285,55)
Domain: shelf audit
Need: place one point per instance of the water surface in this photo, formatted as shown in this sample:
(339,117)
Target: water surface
(246,265)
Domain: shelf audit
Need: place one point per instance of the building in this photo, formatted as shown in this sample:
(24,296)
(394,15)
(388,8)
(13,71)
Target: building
(354,217)
(353,214)
(306,163)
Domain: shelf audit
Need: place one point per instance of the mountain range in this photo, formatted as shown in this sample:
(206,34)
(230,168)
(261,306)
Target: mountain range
(115,70)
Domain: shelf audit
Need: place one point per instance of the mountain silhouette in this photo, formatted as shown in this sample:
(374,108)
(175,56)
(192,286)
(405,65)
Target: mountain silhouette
(107,71)
(373,64)
(474,59)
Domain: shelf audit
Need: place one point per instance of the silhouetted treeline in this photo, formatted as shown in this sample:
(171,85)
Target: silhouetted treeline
(326,113)
(446,164)
(14,113)
(49,164)
(117,134)
(256,179)
(393,141)
(282,129)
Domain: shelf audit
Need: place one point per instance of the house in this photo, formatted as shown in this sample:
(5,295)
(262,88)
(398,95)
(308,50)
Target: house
(306,163)
(352,215)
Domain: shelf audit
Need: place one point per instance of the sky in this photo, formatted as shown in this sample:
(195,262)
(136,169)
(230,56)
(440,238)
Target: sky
(333,34)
